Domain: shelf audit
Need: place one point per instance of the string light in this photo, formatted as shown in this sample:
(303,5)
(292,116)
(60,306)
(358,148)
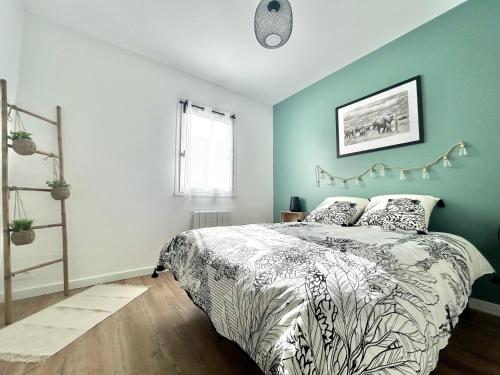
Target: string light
(383,168)
(425,174)
(462,151)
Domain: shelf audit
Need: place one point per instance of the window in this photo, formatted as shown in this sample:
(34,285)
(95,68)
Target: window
(205,152)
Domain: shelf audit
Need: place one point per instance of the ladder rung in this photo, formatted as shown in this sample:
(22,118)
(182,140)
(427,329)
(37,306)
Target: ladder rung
(15,107)
(44,226)
(35,267)
(51,154)
(12,188)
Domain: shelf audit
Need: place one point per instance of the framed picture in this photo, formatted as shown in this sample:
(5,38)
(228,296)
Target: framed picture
(388,118)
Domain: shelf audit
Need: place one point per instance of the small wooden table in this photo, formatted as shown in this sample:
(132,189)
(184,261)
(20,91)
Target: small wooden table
(289,216)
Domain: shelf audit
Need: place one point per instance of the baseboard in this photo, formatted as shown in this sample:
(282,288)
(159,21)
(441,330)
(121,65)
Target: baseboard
(78,283)
(484,306)
(474,303)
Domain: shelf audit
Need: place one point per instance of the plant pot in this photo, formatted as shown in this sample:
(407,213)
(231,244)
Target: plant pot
(23,237)
(24,146)
(60,193)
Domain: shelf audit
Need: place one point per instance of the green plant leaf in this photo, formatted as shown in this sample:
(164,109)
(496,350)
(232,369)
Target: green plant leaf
(58,183)
(19,225)
(19,134)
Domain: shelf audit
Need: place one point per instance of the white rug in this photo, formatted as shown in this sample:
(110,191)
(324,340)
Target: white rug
(45,333)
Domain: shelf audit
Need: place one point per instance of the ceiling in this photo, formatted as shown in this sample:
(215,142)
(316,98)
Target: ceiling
(214,39)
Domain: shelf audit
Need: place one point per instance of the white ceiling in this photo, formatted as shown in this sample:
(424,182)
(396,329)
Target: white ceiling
(214,39)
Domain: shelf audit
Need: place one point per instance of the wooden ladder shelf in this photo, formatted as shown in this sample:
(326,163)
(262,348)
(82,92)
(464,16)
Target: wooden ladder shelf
(8,273)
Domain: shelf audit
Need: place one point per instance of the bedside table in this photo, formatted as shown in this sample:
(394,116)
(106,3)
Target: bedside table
(289,216)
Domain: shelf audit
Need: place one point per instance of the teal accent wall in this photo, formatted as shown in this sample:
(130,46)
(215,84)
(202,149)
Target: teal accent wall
(458,57)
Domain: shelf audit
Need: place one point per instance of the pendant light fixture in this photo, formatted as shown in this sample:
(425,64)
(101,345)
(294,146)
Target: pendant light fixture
(273,23)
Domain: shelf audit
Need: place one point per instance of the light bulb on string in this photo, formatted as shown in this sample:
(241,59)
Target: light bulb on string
(462,150)
(446,162)
(425,174)
(383,170)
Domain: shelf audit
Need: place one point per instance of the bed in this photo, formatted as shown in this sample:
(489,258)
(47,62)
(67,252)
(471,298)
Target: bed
(309,298)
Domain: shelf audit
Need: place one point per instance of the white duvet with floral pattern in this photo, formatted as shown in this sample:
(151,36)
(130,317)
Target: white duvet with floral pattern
(307,298)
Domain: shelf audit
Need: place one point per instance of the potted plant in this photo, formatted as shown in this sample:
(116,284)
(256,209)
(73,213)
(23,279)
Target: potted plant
(59,189)
(21,232)
(22,142)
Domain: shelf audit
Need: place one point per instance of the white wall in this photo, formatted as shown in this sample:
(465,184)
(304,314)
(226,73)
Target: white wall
(11,28)
(119,114)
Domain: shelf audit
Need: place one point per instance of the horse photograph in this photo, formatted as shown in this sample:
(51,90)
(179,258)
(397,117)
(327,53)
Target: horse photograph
(388,118)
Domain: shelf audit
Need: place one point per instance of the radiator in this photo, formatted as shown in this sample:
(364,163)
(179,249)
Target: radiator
(205,219)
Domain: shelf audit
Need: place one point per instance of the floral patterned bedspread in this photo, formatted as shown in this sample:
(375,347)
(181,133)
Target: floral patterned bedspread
(307,298)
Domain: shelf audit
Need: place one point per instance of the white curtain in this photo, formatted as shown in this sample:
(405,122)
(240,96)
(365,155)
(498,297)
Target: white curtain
(208,140)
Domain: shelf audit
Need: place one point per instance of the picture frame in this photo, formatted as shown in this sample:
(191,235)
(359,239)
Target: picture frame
(388,118)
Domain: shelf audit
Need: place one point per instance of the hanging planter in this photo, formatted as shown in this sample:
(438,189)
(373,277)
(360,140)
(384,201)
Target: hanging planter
(20,226)
(21,234)
(22,143)
(59,189)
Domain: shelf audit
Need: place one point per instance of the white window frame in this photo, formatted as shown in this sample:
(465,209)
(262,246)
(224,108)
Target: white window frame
(179,188)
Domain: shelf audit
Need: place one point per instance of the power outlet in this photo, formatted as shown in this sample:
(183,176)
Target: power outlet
(495,279)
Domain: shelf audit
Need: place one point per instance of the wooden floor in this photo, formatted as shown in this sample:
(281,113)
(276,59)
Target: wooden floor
(162,332)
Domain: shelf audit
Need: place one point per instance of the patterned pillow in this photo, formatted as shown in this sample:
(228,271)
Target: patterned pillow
(410,212)
(338,212)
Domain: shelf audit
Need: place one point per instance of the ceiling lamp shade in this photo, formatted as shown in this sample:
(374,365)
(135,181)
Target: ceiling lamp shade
(273,23)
